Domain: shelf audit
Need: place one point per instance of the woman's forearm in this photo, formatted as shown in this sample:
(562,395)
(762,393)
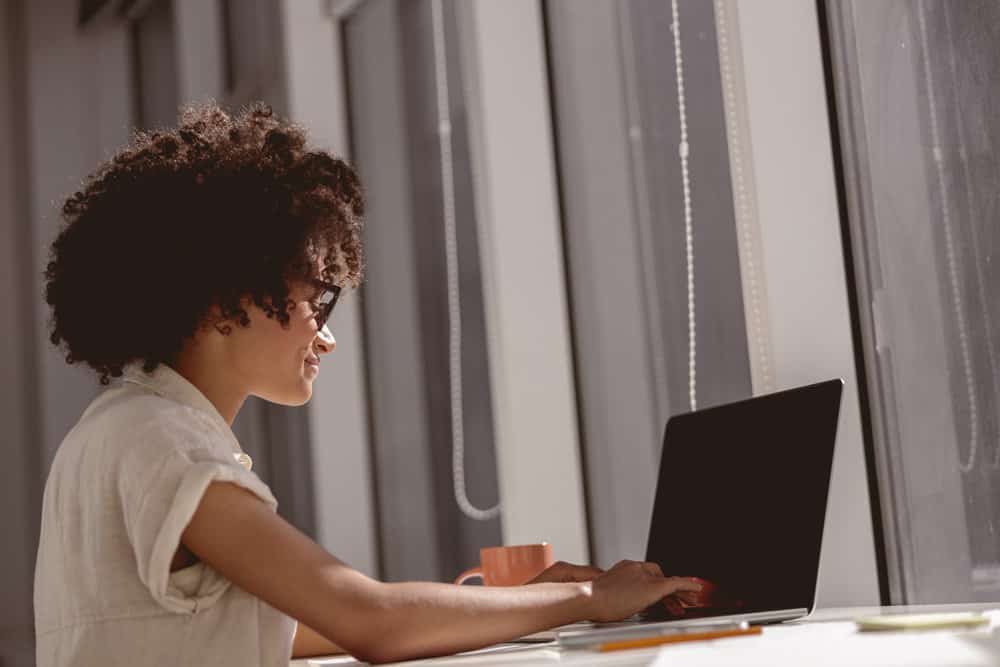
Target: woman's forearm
(258,551)
(308,643)
(401,621)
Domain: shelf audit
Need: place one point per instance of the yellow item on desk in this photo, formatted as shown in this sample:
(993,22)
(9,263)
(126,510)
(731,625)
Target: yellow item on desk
(922,621)
(671,639)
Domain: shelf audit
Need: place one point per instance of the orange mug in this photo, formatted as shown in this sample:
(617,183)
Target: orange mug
(510,566)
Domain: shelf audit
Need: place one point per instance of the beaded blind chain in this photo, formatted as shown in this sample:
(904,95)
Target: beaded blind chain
(451,260)
(684,151)
(949,242)
(976,246)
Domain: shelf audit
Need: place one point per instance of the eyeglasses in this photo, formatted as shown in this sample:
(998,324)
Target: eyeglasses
(323,305)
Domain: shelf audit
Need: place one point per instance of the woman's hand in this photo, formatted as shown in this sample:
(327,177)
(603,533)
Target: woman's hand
(562,572)
(631,586)
(710,596)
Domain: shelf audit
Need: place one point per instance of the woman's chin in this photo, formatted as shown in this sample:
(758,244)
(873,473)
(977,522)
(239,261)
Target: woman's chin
(303,395)
(300,395)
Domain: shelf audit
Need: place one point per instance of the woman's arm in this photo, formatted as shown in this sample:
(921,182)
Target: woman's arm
(260,552)
(308,643)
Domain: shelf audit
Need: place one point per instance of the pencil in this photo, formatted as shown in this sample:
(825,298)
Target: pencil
(670,639)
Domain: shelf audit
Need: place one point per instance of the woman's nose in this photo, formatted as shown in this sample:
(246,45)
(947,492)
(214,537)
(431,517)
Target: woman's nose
(324,342)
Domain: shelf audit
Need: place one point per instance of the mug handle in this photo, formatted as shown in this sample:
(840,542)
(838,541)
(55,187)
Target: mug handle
(469,574)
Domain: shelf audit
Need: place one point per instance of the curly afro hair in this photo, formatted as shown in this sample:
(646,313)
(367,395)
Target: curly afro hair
(217,213)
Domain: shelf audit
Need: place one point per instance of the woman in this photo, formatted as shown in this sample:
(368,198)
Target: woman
(200,266)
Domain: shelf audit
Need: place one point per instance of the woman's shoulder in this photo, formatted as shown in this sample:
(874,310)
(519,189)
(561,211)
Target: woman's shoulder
(142,422)
(129,441)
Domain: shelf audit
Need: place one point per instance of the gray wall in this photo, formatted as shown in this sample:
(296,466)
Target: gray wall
(53,126)
(77,81)
(20,474)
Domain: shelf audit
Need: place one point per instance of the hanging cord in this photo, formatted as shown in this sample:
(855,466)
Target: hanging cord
(956,294)
(451,254)
(683,150)
(963,154)
(746,207)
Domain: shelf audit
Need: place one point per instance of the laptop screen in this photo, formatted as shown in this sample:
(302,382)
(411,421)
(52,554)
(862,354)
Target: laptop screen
(741,497)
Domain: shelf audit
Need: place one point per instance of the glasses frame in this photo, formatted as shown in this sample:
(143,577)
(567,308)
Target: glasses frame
(325,309)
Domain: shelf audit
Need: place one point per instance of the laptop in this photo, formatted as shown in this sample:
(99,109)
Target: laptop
(741,501)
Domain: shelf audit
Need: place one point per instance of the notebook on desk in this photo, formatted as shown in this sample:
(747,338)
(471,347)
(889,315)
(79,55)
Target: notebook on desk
(741,501)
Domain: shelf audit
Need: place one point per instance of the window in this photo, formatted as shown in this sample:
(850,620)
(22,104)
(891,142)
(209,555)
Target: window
(154,63)
(252,52)
(917,96)
(651,339)
(413,155)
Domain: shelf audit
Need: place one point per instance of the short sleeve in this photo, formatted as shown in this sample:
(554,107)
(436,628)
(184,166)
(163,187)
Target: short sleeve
(159,494)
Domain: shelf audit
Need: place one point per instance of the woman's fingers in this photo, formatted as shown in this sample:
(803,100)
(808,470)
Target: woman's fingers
(570,572)
(690,584)
(653,569)
(585,572)
(631,586)
(685,590)
(676,584)
(689,598)
(561,572)
(673,606)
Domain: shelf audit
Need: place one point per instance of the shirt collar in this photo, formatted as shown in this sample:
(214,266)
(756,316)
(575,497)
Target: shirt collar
(166,382)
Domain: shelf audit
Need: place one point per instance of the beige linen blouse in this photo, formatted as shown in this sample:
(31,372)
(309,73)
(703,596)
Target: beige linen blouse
(124,485)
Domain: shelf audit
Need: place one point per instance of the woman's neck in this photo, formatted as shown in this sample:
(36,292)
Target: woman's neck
(213,378)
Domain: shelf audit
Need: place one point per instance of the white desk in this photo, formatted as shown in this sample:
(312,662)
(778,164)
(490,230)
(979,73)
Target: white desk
(828,638)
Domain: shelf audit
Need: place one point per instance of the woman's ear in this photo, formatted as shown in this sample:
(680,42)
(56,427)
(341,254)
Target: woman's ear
(223,327)
(215,320)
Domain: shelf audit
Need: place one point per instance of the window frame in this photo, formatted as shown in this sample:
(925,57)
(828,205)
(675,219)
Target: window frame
(532,436)
(615,109)
(911,574)
(804,265)
(533,387)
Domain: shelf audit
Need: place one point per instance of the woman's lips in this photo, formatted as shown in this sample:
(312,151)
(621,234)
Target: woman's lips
(312,363)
